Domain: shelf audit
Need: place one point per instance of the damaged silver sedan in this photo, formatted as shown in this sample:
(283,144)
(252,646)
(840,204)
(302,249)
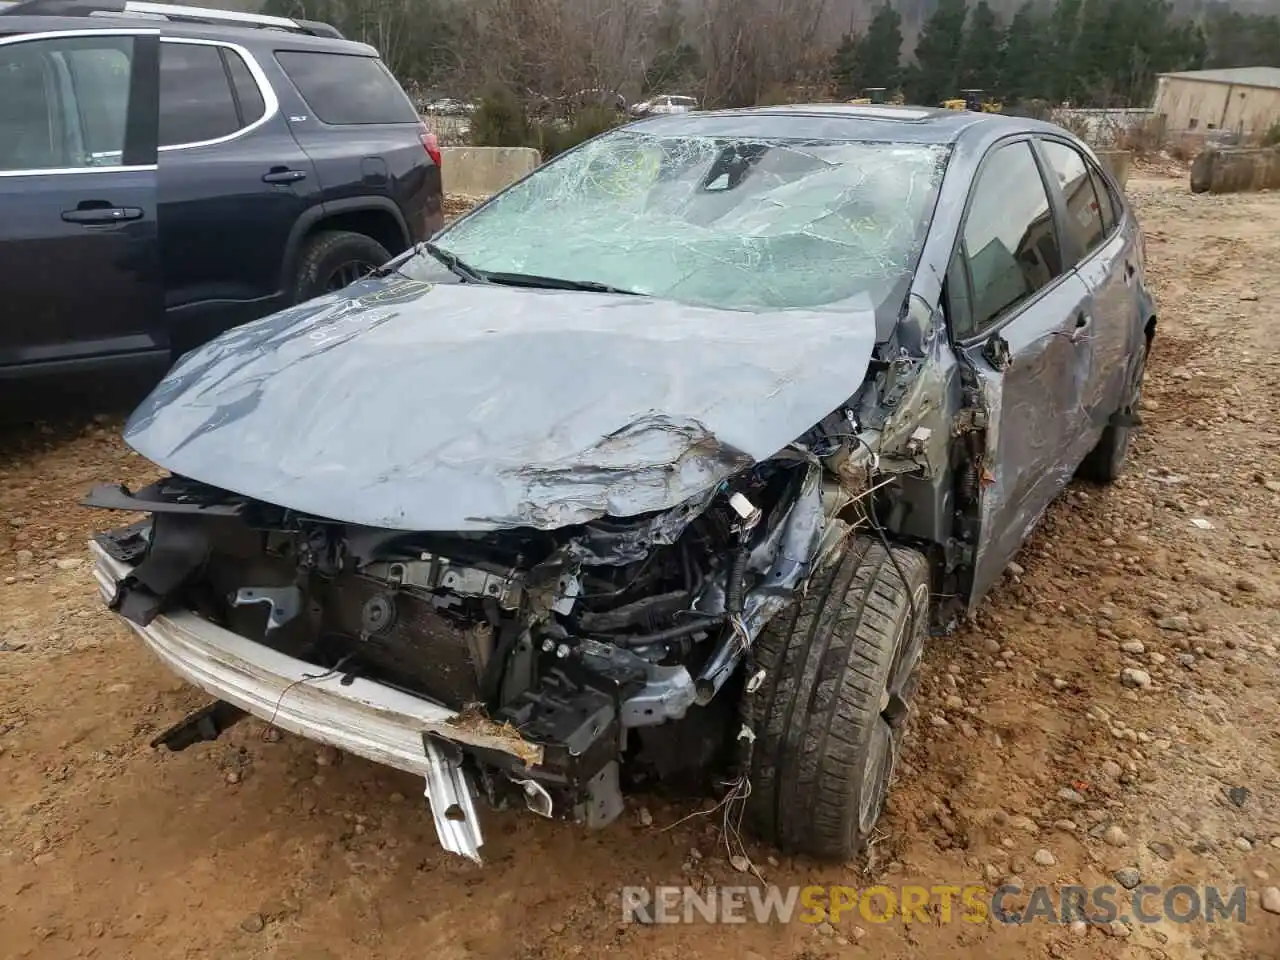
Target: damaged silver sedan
(661,465)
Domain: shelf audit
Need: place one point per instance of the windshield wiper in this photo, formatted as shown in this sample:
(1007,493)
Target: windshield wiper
(556,283)
(455,265)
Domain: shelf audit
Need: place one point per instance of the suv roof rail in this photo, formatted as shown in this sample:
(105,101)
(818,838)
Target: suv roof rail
(166,11)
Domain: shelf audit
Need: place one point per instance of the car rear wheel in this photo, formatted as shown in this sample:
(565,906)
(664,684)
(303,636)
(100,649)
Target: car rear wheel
(1105,462)
(334,259)
(842,667)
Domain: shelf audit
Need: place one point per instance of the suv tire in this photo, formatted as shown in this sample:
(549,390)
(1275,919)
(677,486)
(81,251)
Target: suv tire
(332,259)
(842,665)
(1105,462)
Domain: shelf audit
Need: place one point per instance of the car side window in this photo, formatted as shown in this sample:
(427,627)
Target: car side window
(64,102)
(1084,212)
(1106,205)
(1010,244)
(196,103)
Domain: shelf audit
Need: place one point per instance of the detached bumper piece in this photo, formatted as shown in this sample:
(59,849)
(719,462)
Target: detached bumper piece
(451,796)
(353,714)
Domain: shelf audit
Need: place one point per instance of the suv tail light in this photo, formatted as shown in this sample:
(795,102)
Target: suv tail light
(430,144)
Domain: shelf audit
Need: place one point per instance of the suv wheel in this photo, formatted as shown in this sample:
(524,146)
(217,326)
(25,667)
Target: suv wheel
(333,259)
(1105,462)
(842,666)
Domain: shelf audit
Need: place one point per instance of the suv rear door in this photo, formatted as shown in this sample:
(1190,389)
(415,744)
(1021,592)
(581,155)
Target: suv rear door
(80,282)
(234,183)
(370,147)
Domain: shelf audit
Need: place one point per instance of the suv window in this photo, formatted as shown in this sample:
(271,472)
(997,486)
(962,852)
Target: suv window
(1084,214)
(196,103)
(345,88)
(1010,244)
(63,102)
(248,95)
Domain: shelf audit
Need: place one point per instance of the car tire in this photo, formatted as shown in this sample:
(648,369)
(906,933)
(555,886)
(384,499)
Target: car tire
(1105,462)
(841,667)
(332,259)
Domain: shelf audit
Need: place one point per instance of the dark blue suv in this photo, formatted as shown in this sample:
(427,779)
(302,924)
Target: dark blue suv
(168,172)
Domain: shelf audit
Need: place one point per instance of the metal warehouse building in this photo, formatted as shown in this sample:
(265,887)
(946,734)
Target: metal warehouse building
(1245,100)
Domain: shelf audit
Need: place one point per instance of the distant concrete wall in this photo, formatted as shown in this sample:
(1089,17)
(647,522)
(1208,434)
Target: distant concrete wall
(1117,163)
(1236,170)
(1103,128)
(481,171)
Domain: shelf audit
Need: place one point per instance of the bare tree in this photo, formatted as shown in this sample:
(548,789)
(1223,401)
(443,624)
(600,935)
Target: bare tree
(750,46)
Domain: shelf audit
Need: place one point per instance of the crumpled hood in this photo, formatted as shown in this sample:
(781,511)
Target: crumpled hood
(455,407)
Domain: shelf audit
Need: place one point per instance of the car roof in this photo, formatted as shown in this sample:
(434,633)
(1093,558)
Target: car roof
(842,121)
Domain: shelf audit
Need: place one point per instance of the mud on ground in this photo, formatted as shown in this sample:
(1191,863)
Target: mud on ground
(1029,757)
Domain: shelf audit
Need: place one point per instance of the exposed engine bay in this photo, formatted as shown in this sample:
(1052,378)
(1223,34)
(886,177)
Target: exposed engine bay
(603,644)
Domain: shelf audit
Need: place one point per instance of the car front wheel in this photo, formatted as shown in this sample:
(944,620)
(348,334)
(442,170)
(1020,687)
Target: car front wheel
(841,668)
(334,259)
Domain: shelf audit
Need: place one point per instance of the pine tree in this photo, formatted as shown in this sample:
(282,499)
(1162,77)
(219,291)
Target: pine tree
(1022,68)
(881,49)
(980,57)
(872,59)
(1060,50)
(846,69)
(936,73)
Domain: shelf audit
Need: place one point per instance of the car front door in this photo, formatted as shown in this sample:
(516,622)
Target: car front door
(1108,259)
(1019,317)
(80,282)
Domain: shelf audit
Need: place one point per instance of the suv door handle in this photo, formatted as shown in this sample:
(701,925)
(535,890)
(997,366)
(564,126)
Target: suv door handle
(1129,270)
(101,214)
(283,175)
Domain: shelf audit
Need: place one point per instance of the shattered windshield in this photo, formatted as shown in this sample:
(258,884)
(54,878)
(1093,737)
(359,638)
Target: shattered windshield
(750,224)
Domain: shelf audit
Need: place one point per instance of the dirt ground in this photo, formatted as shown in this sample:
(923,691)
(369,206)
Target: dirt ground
(1026,751)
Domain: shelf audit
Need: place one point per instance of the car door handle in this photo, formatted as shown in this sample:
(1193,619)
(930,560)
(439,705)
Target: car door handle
(1129,271)
(101,214)
(283,175)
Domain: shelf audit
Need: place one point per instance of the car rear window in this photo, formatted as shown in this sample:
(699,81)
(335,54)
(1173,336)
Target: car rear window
(346,89)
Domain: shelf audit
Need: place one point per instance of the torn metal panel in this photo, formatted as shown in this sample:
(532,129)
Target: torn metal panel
(1033,443)
(453,808)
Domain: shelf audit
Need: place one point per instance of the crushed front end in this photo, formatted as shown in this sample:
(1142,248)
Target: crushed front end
(543,667)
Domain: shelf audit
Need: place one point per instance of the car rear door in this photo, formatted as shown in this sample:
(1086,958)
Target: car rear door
(1108,259)
(80,281)
(1019,316)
